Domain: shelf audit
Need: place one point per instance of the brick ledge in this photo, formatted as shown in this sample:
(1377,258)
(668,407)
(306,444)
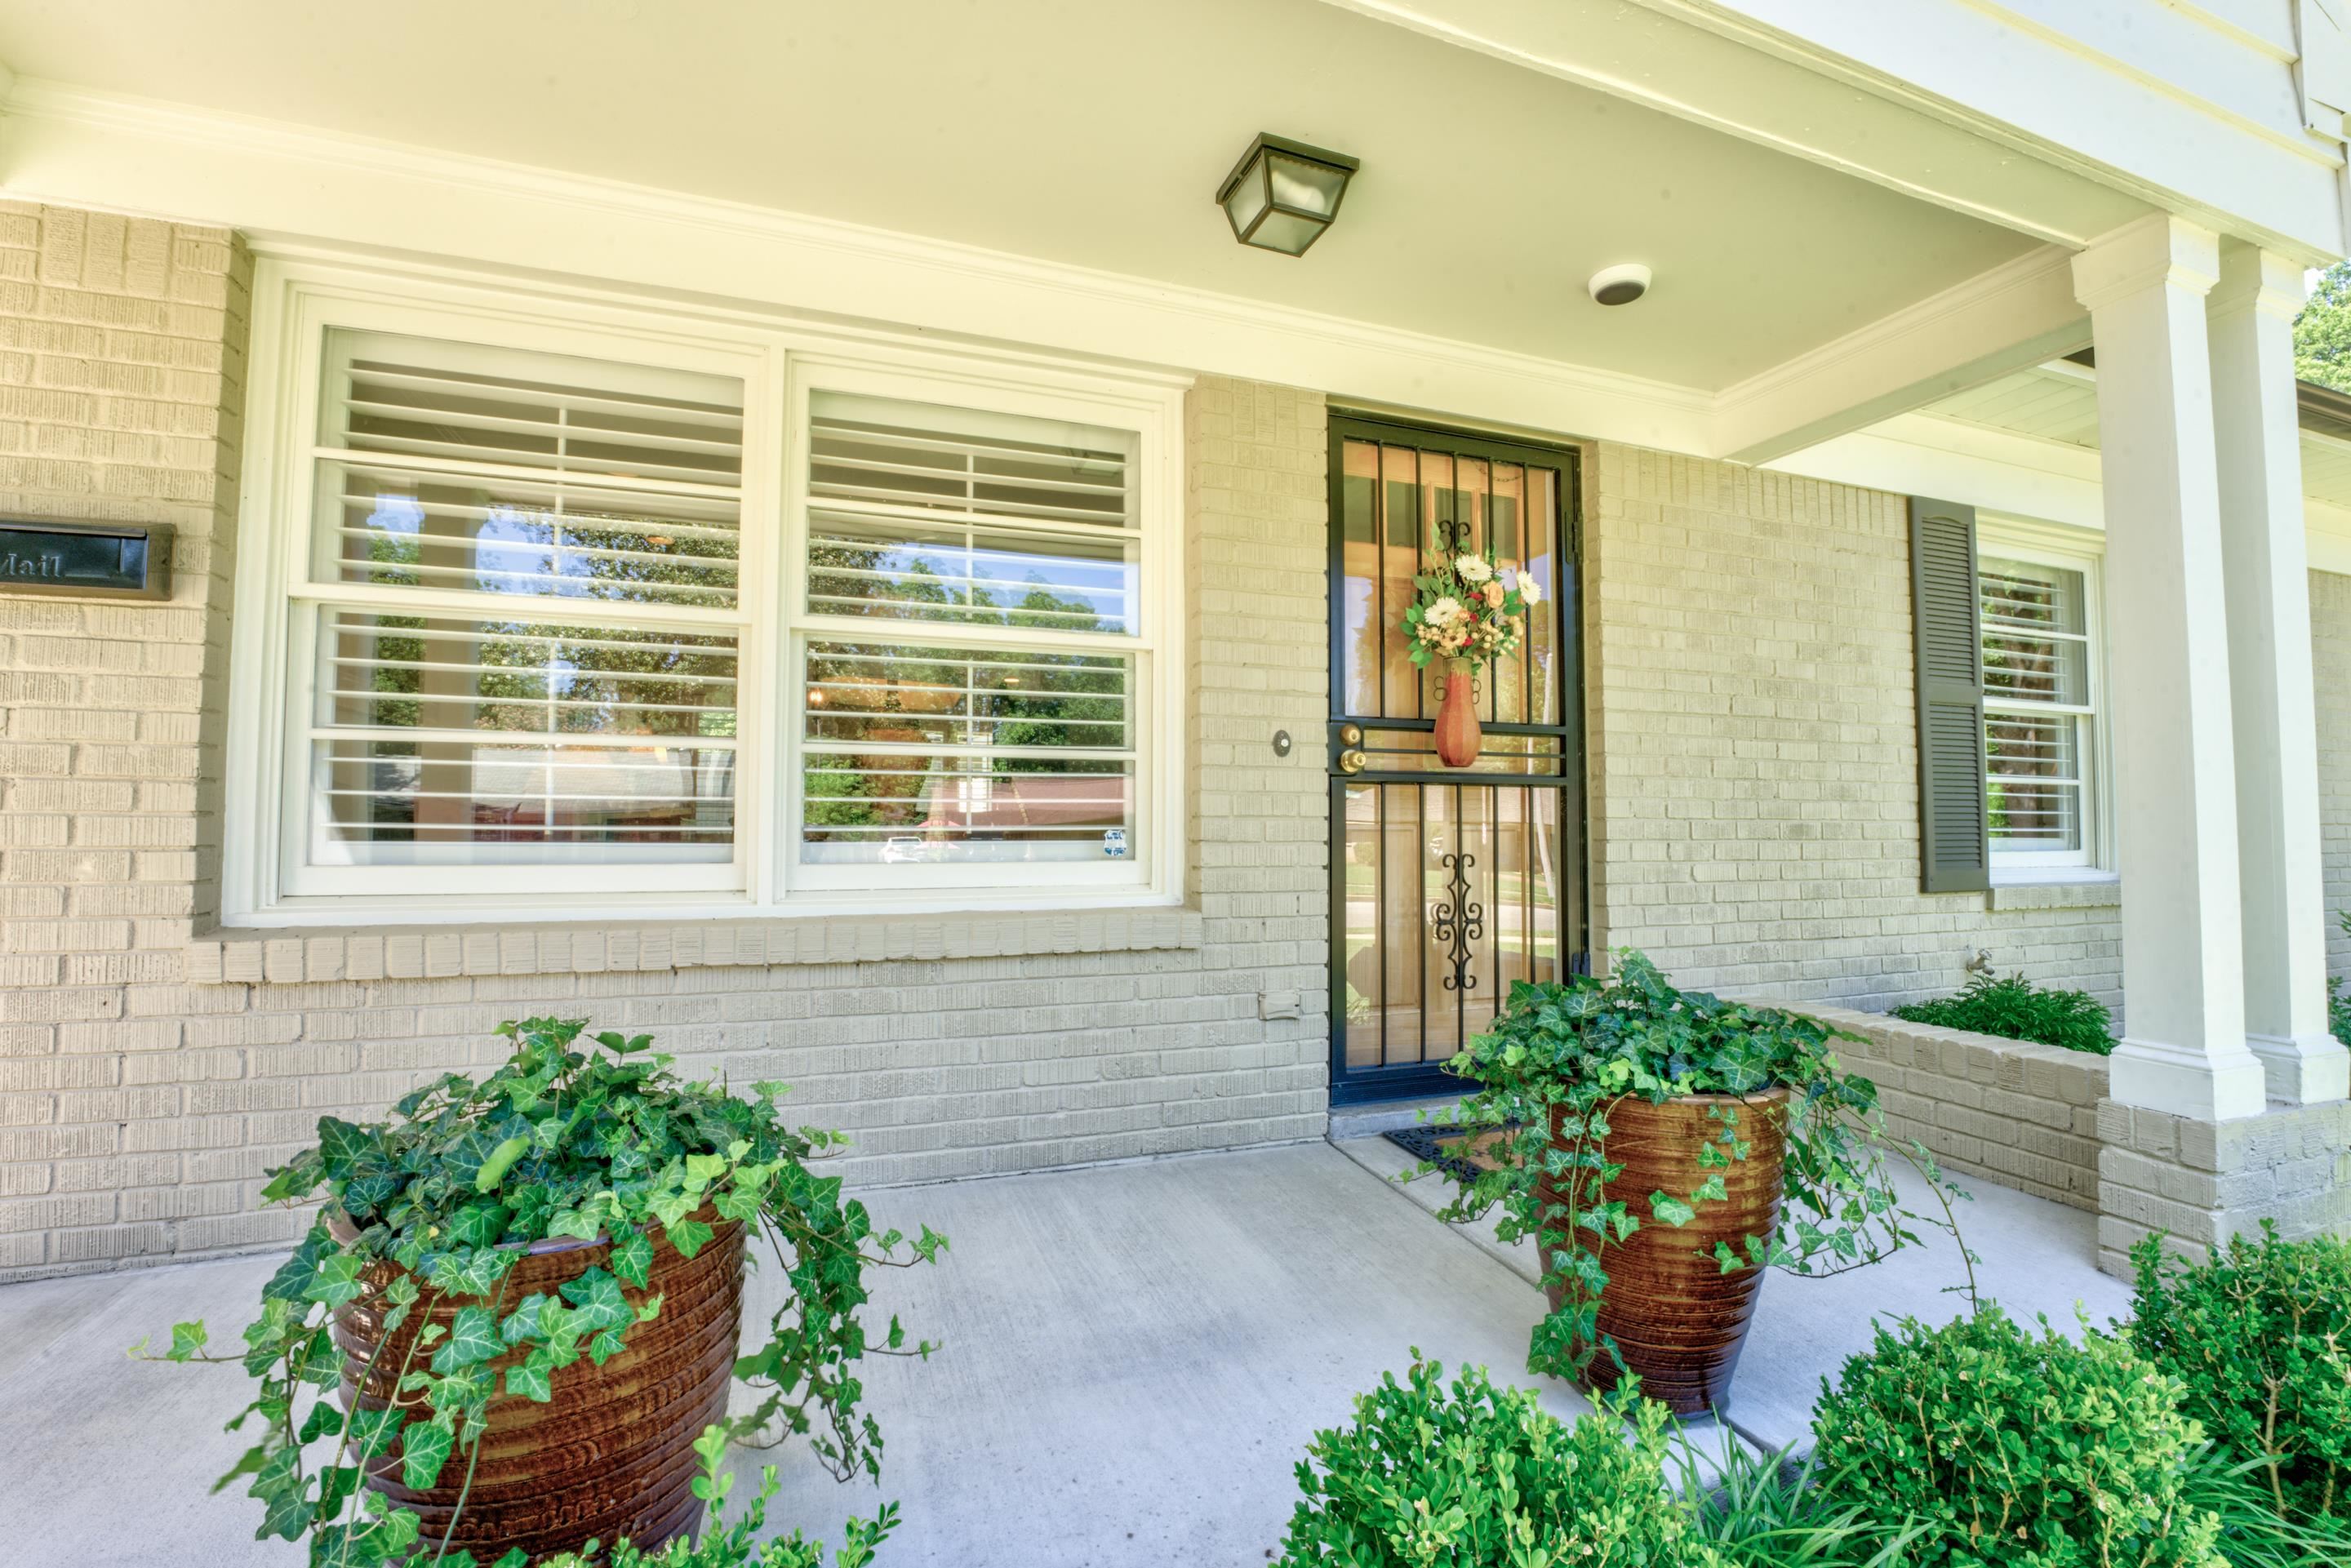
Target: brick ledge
(393,952)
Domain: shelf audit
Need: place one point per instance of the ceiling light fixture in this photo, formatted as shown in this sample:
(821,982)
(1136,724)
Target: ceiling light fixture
(1621,284)
(1282,195)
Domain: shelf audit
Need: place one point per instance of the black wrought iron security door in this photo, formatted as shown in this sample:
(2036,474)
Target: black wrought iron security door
(1445,885)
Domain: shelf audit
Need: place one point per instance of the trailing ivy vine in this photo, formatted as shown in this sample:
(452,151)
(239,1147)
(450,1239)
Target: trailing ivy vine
(568,1137)
(1580,1049)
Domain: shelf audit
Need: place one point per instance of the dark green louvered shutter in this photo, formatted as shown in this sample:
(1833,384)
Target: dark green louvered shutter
(1954,841)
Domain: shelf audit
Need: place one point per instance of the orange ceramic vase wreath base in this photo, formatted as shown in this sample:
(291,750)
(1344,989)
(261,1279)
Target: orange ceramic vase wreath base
(1459,735)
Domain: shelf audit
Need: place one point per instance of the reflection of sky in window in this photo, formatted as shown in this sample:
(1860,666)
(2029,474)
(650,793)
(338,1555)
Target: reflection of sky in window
(397,514)
(515,542)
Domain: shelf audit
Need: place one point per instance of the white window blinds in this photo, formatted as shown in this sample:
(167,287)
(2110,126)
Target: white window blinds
(1003,729)
(523,566)
(2039,709)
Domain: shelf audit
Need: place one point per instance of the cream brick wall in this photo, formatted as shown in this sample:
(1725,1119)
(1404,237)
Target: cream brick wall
(147,1079)
(2330,625)
(1755,741)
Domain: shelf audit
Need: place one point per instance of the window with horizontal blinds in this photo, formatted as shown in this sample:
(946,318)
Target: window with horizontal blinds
(918,511)
(929,526)
(486,522)
(2039,705)
(570,611)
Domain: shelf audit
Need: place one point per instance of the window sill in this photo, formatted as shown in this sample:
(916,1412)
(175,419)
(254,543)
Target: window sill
(231,955)
(2057,889)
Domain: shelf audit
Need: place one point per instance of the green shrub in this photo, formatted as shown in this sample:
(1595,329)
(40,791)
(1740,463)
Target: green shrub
(2262,1338)
(2016,1450)
(1472,1476)
(2338,1002)
(2014,1008)
(1757,1511)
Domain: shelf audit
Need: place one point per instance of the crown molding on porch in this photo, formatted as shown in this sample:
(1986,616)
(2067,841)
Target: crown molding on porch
(1902,361)
(83,147)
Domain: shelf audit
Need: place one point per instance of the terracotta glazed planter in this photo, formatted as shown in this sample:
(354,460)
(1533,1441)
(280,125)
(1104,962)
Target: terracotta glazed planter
(1459,736)
(1677,1317)
(612,1454)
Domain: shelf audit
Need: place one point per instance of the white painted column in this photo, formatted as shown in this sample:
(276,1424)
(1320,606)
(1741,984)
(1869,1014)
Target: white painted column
(2271,686)
(2183,1049)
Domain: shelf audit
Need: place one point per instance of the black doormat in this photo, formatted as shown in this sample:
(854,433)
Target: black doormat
(1443,1147)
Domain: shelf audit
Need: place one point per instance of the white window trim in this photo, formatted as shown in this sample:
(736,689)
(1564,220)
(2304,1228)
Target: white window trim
(296,299)
(2073,549)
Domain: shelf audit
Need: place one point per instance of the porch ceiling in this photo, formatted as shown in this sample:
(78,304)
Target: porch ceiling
(2060,402)
(1094,133)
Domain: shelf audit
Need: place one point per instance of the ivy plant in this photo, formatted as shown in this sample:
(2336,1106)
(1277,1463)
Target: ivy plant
(568,1137)
(1581,1047)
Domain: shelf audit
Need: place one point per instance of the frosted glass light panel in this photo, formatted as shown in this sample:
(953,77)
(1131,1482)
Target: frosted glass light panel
(449,740)
(942,756)
(459,466)
(922,512)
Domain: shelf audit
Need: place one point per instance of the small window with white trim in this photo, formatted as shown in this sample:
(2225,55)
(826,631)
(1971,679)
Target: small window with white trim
(586,612)
(2043,700)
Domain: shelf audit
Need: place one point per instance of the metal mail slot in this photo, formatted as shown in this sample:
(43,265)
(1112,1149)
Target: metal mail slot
(116,560)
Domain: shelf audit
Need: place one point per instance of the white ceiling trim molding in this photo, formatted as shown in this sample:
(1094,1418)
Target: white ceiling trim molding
(1951,460)
(2073,98)
(1912,356)
(81,147)
(1698,69)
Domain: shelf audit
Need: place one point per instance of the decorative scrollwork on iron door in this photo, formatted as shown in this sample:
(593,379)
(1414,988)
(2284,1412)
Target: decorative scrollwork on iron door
(1457,922)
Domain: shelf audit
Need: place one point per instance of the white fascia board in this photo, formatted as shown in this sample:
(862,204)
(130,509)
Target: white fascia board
(2001,471)
(2015,316)
(1695,69)
(276,181)
(1951,460)
(2162,102)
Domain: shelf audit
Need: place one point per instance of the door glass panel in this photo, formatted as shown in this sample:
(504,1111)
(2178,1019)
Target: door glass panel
(1449,885)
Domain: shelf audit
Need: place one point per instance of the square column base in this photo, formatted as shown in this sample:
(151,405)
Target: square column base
(2186,1082)
(2200,1182)
(2306,1070)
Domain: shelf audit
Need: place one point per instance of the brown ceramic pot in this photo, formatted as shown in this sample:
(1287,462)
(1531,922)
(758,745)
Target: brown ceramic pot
(612,1454)
(1676,1316)
(1459,736)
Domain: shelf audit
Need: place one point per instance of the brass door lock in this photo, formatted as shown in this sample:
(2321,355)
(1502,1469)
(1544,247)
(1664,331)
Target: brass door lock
(1352,761)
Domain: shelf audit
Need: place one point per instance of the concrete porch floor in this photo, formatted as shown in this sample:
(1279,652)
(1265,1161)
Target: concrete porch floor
(1135,1358)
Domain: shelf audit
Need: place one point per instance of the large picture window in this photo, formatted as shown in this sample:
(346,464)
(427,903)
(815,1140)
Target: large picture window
(561,614)
(2042,701)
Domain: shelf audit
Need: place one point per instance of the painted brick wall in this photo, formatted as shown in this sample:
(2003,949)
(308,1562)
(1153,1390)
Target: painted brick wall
(2012,1112)
(1755,737)
(2330,625)
(147,1079)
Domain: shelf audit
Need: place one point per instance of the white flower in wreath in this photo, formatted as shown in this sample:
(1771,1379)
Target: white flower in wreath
(1444,611)
(1472,568)
(1529,591)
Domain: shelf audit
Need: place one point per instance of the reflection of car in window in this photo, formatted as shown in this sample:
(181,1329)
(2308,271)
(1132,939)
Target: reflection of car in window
(903,848)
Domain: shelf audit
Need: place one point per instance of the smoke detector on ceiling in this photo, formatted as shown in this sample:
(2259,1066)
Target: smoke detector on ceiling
(1620,285)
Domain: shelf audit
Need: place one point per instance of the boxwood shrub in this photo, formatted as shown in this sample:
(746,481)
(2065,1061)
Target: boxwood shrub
(2260,1338)
(1467,1475)
(2019,1450)
(2015,1009)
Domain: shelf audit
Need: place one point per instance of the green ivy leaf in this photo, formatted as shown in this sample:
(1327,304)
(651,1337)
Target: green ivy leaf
(424,1449)
(1671,1210)
(605,1346)
(632,1259)
(494,1169)
(688,1236)
(473,1338)
(529,1381)
(336,1280)
(598,1303)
